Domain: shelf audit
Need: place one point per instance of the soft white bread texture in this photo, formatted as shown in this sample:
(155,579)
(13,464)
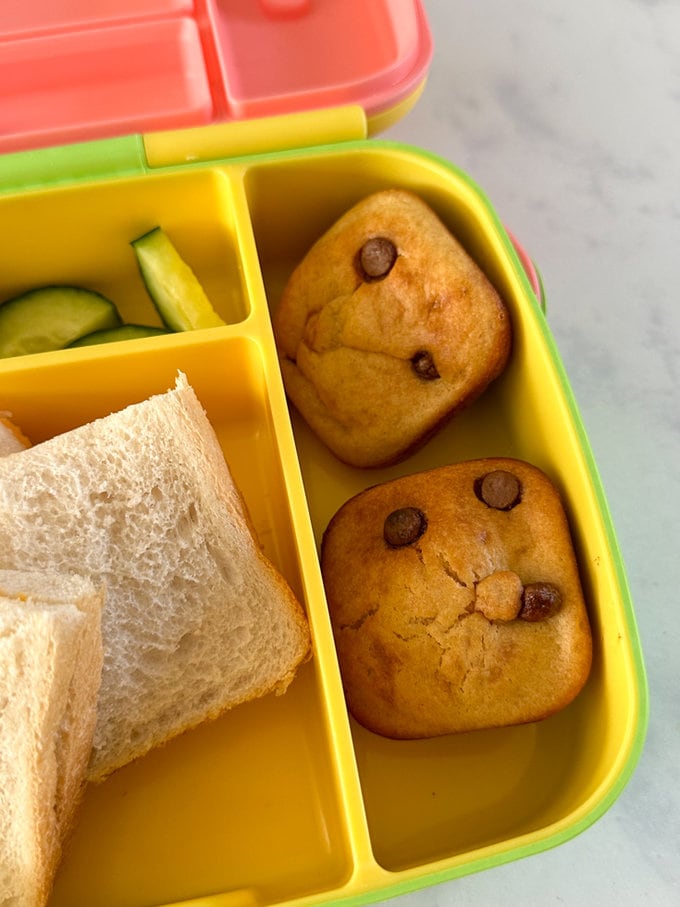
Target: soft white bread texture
(196,619)
(50,671)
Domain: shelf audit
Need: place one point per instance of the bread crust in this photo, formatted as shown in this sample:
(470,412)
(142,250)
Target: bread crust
(430,636)
(12,439)
(50,670)
(349,343)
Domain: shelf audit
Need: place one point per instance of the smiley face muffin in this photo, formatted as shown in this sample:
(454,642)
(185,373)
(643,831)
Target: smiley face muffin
(386,329)
(455,600)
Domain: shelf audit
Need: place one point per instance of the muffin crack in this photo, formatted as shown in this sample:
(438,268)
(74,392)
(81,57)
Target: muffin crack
(451,572)
(361,620)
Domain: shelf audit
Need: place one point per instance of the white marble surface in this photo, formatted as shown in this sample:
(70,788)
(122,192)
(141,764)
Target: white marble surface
(568,116)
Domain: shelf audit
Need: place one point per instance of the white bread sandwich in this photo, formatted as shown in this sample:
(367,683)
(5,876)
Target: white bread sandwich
(12,438)
(50,670)
(196,620)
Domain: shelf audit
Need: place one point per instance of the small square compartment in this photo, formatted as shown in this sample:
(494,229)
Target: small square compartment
(278,56)
(248,804)
(80,235)
(72,86)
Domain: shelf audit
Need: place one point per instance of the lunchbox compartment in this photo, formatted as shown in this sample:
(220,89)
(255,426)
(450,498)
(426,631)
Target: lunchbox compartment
(287,799)
(471,794)
(252,801)
(80,235)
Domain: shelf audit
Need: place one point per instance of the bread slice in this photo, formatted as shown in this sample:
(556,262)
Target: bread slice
(196,620)
(50,670)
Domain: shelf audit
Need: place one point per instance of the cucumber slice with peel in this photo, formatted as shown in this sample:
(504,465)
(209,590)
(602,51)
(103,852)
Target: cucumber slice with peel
(50,318)
(175,290)
(125,332)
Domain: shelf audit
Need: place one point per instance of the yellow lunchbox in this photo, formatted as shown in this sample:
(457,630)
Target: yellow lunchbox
(286,800)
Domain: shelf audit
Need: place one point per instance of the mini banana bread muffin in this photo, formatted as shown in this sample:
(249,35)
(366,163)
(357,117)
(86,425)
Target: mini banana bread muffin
(455,600)
(387,328)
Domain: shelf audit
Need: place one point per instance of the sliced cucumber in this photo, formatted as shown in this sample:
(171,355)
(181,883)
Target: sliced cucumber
(174,288)
(125,332)
(49,318)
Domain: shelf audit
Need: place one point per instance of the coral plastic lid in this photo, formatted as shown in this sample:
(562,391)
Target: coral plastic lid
(74,70)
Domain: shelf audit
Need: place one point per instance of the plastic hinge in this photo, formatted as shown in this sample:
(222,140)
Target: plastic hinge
(255,137)
(46,167)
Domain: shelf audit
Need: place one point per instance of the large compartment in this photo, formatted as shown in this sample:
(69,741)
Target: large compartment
(473,796)
(286,799)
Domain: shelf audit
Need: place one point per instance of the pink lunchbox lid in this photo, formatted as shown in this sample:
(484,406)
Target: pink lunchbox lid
(75,70)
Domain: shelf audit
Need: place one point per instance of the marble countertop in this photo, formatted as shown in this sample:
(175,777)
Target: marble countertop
(568,117)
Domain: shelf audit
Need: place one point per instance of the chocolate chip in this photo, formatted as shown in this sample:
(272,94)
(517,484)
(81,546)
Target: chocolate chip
(540,601)
(423,365)
(403,527)
(499,489)
(376,258)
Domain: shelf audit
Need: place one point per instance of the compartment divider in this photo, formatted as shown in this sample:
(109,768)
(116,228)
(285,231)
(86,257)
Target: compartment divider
(338,728)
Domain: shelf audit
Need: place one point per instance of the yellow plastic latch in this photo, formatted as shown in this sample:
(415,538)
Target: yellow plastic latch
(249,137)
